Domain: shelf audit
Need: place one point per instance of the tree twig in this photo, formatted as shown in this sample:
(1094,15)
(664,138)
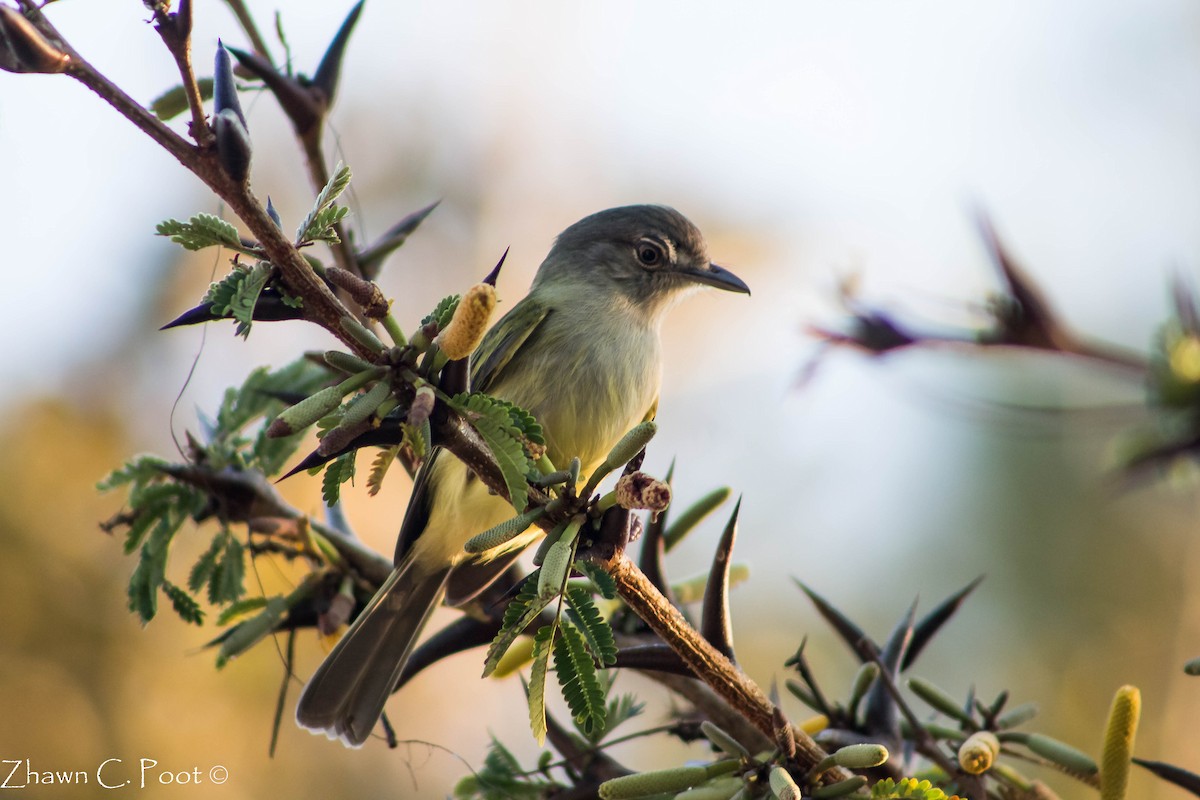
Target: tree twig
(705,660)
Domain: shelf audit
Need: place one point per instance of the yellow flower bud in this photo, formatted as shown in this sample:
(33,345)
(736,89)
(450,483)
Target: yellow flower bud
(978,752)
(470,321)
(1118,743)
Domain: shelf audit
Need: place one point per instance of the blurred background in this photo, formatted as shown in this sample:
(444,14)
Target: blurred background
(811,142)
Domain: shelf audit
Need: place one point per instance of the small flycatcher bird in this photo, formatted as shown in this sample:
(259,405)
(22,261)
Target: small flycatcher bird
(581,352)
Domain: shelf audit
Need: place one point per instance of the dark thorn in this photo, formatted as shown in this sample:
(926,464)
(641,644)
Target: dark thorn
(650,560)
(225,96)
(880,713)
(652,658)
(798,661)
(371,258)
(297,102)
(996,707)
(862,645)
(270,308)
(634,464)
(273,214)
(326,77)
(183,20)
(387,434)
(932,622)
(715,623)
(456,377)
(1030,321)
(233,144)
(492,276)
(1189,781)
(23,48)
(613,534)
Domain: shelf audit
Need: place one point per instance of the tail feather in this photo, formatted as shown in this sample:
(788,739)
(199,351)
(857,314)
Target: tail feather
(345,696)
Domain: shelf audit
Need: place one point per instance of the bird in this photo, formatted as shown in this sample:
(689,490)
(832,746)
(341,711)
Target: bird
(581,352)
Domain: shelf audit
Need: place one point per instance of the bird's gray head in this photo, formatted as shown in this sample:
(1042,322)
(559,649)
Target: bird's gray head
(644,255)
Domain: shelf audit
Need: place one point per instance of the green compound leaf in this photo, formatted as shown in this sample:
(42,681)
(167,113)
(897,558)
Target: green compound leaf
(321,228)
(318,218)
(506,441)
(184,604)
(202,570)
(140,468)
(340,470)
(595,629)
(227,582)
(243,606)
(246,634)
(523,610)
(245,298)
(606,587)
(442,312)
(577,676)
(537,682)
(173,102)
(201,231)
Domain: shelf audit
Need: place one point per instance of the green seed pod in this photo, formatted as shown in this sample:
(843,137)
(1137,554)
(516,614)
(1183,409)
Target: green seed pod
(1192,667)
(724,741)
(977,754)
(345,362)
(306,412)
(841,788)
(631,787)
(802,693)
(866,676)
(1016,717)
(782,784)
(504,532)
(860,756)
(1118,742)
(554,568)
(939,699)
(631,444)
(1060,753)
(723,788)
(365,404)
(361,334)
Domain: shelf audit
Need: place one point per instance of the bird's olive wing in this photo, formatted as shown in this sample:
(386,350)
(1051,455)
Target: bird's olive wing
(503,341)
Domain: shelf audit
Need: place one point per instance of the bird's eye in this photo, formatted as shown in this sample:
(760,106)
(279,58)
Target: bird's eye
(650,254)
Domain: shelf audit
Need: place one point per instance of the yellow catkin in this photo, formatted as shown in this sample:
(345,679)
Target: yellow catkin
(470,321)
(1118,742)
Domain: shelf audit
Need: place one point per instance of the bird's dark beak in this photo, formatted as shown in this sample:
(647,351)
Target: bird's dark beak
(718,276)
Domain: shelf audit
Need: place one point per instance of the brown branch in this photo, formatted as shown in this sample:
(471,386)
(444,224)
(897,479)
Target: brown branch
(706,661)
(176,32)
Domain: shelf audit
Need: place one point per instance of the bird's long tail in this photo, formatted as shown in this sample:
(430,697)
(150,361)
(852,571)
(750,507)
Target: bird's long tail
(345,696)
